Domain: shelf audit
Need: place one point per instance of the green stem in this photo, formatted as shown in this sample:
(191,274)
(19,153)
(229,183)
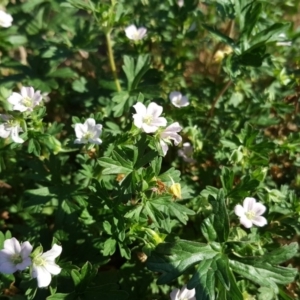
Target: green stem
(112,61)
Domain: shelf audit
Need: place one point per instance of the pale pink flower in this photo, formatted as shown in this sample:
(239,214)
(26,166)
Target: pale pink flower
(134,33)
(168,134)
(11,128)
(250,213)
(178,100)
(15,256)
(148,118)
(88,132)
(186,152)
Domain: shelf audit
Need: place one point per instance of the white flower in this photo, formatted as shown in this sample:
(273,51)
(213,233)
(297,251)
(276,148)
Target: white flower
(14,257)
(183,294)
(283,40)
(178,100)
(88,132)
(250,213)
(10,128)
(43,265)
(170,133)
(148,118)
(5,19)
(186,152)
(180,3)
(134,33)
(26,100)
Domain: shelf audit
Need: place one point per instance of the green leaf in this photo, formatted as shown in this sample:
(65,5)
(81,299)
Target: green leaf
(172,259)
(113,167)
(60,296)
(107,292)
(208,230)
(220,219)
(264,274)
(224,38)
(109,247)
(251,14)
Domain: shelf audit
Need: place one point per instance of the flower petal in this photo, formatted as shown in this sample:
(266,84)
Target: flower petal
(15,98)
(42,275)
(259,209)
(140,109)
(148,128)
(130,31)
(174,294)
(54,252)
(154,110)
(161,121)
(26,249)
(15,135)
(3,132)
(80,130)
(259,221)
(24,264)
(184,101)
(138,120)
(249,203)
(90,123)
(164,147)
(239,210)
(7,267)
(53,268)
(142,32)
(12,245)
(96,141)
(186,293)
(246,222)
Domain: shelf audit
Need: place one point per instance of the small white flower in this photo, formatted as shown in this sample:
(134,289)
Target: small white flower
(170,133)
(88,132)
(250,213)
(27,100)
(183,294)
(178,100)
(10,128)
(134,33)
(43,265)
(5,19)
(180,3)
(148,119)
(186,152)
(283,40)
(14,257)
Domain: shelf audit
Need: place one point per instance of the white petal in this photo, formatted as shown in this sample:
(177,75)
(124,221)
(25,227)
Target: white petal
(20,107)
(96,141)
(7,267)
(3,132)
(80,141)
(5,255)
(246,222)
(187,294)
(161,121)
(239,210)
(26,249)
(184,101)
(15,98)
(90,123)
(54,252)
(175,96)
(259,221)
(138,120)
(149,128)
(259,209)
(130,31)
(142,32)
(15,135)
(80,130)
(12,245)
(174,127)
(53,268)
(154,110)
(249,203)
(140,109)
(164,147)
(42,275)
(174,294)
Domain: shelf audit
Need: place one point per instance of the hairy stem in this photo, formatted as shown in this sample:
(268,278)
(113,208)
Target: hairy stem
(112,61)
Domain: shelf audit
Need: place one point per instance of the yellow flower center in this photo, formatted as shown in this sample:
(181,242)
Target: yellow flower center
(26,101)
(148,120)
(88,135)
(39,261)
(250,215)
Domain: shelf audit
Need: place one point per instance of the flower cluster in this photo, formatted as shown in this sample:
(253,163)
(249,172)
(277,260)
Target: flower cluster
(149,120)
(17,257)
(25,101)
